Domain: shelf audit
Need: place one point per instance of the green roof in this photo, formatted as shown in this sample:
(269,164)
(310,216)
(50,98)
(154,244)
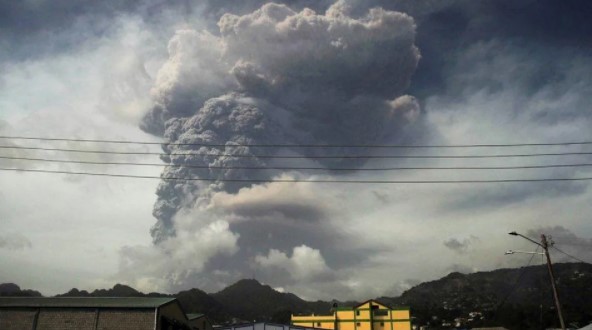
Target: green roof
(85,302)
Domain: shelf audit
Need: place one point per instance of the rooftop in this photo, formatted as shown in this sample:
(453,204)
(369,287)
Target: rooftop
(194,316)
(88,302)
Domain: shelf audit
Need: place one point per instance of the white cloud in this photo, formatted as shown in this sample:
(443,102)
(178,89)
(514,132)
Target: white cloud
(76,224)
(75,227)
(178,261)
(304,263)
(461,246)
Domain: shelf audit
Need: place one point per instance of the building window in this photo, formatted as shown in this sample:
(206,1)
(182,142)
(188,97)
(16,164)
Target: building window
(382,324)
(358,313)
(381,312)
(358,324)
(318,324)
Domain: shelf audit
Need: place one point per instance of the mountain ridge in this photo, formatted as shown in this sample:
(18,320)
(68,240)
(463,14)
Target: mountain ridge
(517,298)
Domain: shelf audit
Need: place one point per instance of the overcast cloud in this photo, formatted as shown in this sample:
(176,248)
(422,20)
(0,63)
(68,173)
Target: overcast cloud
(294,72)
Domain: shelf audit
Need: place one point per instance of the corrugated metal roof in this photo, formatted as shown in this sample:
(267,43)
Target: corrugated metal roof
(84,302)
(263,325)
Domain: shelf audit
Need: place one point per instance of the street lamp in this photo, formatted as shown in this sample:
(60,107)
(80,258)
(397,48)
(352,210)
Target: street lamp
(525,252)
(513,233)
(545,245)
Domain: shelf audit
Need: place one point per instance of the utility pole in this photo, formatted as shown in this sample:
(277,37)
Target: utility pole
(545,245)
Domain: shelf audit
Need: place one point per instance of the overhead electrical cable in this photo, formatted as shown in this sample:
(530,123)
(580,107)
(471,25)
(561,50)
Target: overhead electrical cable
(569,255)
(298,180)
(515,285)
(299,157)
(83,162)
(500,145)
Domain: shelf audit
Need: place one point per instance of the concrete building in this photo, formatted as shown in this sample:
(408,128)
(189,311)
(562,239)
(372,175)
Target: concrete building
(93,314)
(369,315)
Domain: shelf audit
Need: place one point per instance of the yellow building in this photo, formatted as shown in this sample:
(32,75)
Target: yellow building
(369,315)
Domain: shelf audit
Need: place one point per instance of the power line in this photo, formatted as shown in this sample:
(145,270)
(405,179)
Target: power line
(500,145)
(299,180)
(300,168)
(569,255)
(515,285)
(301,157)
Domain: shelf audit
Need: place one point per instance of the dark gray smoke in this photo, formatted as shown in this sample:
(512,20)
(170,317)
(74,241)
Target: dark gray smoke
(570,244)
(277,76)
(13,241)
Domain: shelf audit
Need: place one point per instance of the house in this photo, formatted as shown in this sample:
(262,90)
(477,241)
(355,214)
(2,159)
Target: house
(369,315)
(93,313)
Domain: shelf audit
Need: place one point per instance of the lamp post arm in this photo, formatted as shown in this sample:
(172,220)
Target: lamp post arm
(533,241)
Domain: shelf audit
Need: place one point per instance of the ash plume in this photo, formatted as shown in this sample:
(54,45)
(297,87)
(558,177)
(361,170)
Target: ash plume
(282,77)
(14,241)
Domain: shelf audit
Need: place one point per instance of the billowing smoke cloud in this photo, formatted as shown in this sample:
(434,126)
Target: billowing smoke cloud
(279,76)
(283,77)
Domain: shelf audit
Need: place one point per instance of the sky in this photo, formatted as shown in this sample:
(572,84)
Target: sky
(236,76)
